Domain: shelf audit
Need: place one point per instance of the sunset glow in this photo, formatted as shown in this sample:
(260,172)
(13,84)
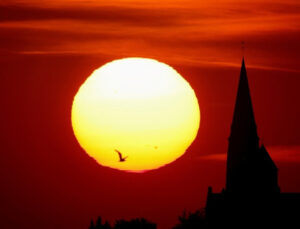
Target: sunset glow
(102,103)
(140,107)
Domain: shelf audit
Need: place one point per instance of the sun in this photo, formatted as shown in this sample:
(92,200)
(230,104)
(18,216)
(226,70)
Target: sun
(135,114)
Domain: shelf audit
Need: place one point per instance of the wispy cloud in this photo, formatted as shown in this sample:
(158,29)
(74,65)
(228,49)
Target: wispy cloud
(285,153)
(278,154)
(188,32)
(102,14)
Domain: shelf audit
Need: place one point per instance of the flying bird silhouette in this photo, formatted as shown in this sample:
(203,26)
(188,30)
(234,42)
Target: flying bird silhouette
(122,159)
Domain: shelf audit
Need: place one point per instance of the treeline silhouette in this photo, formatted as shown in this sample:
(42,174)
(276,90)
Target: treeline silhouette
(138,223)
(190,220)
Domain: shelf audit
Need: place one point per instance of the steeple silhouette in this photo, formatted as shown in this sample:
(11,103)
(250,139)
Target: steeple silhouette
(243,117)
(245,170)
(252,196)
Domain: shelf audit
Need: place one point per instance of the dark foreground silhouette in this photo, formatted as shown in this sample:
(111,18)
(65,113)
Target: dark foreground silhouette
(138,223)
(191,220)
(251,197)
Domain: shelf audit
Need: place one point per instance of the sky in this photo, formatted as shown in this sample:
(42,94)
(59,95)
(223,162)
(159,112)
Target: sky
(48,49)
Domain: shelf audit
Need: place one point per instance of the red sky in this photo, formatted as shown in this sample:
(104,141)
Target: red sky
(48,48)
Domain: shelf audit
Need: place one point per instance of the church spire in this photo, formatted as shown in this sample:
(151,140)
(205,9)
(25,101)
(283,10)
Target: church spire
(243,118)
(243,140)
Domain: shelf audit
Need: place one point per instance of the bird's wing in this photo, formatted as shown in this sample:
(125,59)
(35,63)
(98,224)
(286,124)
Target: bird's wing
(119,153)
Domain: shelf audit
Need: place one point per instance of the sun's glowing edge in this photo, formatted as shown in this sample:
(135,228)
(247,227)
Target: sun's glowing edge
(192,137)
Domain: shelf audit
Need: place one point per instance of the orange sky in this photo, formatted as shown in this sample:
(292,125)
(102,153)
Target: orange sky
(48,48)
(188,32)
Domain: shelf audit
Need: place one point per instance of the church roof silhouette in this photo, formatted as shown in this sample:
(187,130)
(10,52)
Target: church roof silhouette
(252,196)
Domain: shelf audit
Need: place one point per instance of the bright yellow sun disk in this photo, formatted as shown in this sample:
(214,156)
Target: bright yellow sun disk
(140,107)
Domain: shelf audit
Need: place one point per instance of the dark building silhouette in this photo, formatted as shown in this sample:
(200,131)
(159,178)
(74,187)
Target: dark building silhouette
(249,167)
(252,196)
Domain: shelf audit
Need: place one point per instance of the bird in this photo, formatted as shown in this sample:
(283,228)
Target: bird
(122,159)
